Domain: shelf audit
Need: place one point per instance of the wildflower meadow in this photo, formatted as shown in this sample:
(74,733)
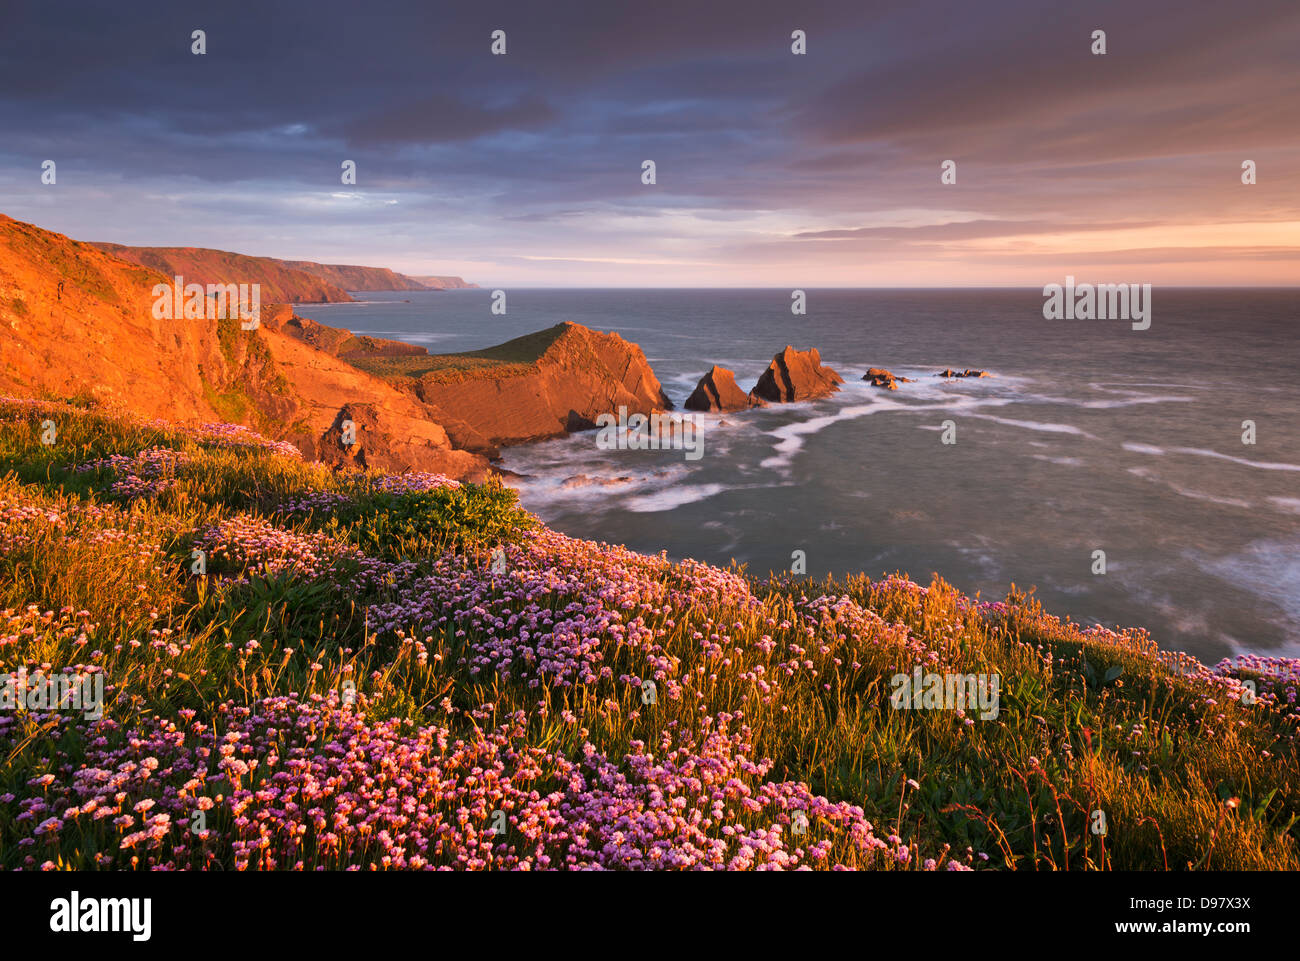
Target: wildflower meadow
(305,669)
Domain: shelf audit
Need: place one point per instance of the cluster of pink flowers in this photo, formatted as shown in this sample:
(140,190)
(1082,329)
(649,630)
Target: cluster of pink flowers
(898,584)
(548,617)
(22,626)
(414,483)
(314,502)
(1278,678)
(147,474)
(249,546)
(24,523)
(252,545)
(211,435)
(229,436)
(18,522)
(26,406)
(308,783)
(328,501)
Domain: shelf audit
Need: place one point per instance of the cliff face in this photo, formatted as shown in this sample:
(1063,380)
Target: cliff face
(349,277)
(291,378)
(98,338)
(283,281)
(344,344)
(796,375)
(541,385)
(547,384)
(445,283)
(280,284)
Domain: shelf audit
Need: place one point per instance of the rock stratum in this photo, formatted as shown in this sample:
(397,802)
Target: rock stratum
(76,320)
(880,377)
(795,375)
(542,385)
(574,376)
(97,339)
(717,391)
(279,284)
(282,281)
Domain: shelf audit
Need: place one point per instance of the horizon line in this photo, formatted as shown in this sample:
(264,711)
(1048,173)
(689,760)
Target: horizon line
(480,286)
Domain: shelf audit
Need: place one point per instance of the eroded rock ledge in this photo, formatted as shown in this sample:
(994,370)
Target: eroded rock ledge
(717,391)
(546,384)
(796,375)
(793,375)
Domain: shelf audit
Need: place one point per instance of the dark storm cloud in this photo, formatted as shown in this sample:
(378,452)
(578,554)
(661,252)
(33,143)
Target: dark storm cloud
(441,118)
(554,133)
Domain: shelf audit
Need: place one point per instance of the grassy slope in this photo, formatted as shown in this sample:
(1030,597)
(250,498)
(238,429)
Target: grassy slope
(514,357)
(1184,772)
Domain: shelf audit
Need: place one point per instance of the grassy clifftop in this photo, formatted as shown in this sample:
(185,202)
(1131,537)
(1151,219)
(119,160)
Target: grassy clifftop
(514,358)
(279,282)
(304,668)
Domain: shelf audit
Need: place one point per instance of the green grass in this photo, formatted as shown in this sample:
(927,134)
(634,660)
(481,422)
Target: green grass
(1087,722)
(513,358)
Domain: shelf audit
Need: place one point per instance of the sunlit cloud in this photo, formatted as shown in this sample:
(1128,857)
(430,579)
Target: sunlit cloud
(772,169)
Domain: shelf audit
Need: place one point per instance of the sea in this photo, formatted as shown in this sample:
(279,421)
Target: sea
(1174,450)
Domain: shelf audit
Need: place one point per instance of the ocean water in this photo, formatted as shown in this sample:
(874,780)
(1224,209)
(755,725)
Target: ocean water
(1091,436)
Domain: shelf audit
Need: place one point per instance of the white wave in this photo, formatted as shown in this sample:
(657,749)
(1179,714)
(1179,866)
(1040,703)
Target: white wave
(790,437)
(1130,402)
(1105,385)
(1143,448)
(1268,569)
(1036,425)
(1202,452)
(671,497)
(1194,495)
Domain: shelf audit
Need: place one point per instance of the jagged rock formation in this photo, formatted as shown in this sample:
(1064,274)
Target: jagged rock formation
(796,375)
(541,385)
(393,441)
(717,391)
(879,377)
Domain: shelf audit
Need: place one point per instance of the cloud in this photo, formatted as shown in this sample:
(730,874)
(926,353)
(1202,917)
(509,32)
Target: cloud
(440,118)
(764,158)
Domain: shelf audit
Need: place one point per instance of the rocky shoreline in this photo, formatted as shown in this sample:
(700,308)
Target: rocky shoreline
(793,375)
(77,321)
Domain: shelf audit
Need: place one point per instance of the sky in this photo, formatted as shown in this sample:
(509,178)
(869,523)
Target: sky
(772,169)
